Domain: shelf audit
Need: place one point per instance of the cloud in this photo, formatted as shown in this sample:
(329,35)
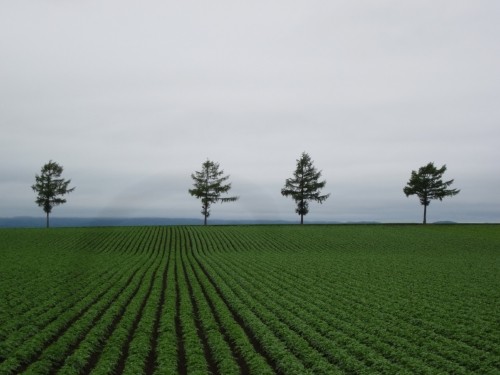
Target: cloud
(131,98)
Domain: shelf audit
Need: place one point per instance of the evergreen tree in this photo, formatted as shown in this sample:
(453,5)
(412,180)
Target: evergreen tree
(209,185)
(50,188)
(304,186)
(427,184)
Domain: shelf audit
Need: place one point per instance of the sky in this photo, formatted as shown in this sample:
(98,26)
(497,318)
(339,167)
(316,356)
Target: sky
(131,97)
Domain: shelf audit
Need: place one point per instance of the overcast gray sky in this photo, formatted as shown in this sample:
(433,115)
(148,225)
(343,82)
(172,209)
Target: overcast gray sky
(132,96)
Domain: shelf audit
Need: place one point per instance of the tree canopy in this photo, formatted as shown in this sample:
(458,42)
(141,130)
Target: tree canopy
(209,185)
(427,185)
(51,188)
(304,186)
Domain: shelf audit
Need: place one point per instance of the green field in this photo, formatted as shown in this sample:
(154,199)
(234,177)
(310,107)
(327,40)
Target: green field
(251,300)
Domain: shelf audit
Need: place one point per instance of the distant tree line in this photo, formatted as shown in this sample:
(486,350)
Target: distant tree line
(210,183)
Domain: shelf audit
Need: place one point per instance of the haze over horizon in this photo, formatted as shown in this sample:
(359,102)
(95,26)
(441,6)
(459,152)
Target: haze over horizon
(132,97)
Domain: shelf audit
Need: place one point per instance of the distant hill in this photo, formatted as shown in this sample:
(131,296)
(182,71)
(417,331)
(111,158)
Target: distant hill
(58,222)
(39,222)
(55,222)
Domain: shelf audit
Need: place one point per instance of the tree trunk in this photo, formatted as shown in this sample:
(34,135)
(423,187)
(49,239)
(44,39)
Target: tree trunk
(205,206)
(302,206)
(425,214)
(47,220)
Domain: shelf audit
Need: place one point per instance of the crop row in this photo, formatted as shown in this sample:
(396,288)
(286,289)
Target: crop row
(440,351)
(246,300)
(229,345)
(56,300)
(61,329)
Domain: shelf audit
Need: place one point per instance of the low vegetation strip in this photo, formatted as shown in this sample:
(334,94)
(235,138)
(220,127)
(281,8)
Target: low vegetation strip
(283,299)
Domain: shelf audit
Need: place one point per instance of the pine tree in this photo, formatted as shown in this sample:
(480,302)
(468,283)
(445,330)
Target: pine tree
(209,185)
(50,188)
(304,186)
(427,184)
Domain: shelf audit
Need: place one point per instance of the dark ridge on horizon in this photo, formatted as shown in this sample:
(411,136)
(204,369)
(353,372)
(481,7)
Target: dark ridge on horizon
(59,222)
(68,222)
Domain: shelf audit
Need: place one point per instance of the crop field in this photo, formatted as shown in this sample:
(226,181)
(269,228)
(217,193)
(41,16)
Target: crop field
(315,299)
